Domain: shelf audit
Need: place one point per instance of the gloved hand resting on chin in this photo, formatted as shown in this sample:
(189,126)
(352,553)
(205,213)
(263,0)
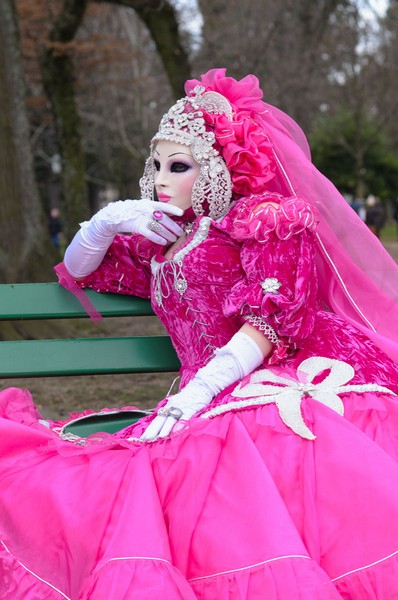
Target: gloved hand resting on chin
(147,217)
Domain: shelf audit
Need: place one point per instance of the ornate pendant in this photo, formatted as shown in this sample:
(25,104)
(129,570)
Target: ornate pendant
(158,297)
(180,284)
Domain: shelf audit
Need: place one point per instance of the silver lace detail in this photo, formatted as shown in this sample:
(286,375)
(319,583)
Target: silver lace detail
(264,327)
(214,184)
(162,288)
(76,439)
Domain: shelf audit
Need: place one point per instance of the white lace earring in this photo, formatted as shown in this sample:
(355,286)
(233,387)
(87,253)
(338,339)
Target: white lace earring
(213,186)
(147,181)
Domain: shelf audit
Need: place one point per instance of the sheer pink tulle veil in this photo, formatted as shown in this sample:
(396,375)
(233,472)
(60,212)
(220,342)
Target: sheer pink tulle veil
(358,278)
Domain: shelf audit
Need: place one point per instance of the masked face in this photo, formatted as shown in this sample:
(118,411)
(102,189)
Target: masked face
(175,173)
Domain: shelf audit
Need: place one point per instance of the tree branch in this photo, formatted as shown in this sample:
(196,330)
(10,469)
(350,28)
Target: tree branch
(160,19)
(69,20)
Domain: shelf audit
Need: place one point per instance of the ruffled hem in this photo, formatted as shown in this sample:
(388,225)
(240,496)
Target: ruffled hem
(121,578)
(137,578)
(17,405)
(136,496)
(378,581)
(125,578)
(293,577)
(17,582)
(300,579)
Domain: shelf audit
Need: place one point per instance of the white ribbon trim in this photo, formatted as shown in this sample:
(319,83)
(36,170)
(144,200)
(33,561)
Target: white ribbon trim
(116,558)
(265,387)
(264,562)
(373,564)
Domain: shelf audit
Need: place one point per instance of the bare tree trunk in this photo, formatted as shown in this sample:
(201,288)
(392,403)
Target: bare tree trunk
(58,79)
(25,250)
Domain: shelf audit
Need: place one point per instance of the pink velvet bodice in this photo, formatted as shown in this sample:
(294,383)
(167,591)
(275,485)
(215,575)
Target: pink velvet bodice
(195,318)
(214,281)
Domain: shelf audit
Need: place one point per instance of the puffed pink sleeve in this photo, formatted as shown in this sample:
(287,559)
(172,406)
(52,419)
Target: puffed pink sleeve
(278,293)
(125,269)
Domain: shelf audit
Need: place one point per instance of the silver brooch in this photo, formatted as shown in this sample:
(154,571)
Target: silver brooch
(270,285)
(181,285)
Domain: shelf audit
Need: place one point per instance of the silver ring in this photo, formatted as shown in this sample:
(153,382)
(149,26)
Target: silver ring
(173,411)
(154,226)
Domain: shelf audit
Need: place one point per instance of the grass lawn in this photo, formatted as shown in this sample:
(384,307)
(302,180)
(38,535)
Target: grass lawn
(389,233)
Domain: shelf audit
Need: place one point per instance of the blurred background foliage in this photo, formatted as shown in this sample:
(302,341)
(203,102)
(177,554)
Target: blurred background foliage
(358,157)
(83,84)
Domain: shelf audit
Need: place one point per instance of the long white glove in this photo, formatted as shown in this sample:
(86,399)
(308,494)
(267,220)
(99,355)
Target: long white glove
(233,361)
(89,246)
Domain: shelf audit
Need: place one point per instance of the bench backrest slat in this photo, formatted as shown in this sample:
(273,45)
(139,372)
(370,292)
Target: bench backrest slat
(44,358)
(88,356)
(51,301)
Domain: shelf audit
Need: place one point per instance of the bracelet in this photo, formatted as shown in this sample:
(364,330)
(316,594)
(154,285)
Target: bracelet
(264,327)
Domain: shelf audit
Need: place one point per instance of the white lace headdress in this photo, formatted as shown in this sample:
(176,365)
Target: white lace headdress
(184,124)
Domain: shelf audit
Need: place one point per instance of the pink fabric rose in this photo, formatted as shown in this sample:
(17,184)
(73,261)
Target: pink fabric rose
(242,142)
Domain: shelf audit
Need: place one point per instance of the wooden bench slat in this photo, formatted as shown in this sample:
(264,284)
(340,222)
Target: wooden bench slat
(51,301)
(44,358)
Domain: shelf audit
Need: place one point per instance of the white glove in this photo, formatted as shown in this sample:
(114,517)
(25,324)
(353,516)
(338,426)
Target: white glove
(89,246)
(233,361)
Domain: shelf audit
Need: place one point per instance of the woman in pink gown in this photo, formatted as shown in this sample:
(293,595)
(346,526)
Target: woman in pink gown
(273,472)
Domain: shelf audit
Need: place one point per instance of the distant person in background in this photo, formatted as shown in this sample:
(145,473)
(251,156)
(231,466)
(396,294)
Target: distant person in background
(55,228)
(395,214)
(375,215)
(358,205)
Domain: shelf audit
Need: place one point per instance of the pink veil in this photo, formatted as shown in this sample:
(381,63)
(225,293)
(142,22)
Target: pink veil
(358,278)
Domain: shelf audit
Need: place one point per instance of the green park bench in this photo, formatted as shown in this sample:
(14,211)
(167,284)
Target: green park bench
(78,356)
